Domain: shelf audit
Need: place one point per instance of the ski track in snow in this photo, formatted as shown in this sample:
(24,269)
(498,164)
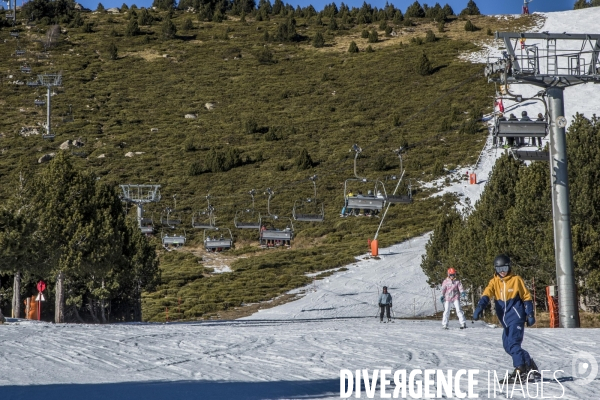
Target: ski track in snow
(296,350)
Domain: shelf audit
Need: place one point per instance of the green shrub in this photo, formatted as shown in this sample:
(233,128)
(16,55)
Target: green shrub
(489,32)
(441,26)
(364,34)
(168,29)
(112,51)
(373,36)
(133,28)
(187,25)
(304,160)
(470,27)
(318,40)
(430,37)
(424,67)
(388,31)
(407,22)
(333,26)
(88,27)
(383,25)
(265,56)
(353,48)
(369,49)
(195,169)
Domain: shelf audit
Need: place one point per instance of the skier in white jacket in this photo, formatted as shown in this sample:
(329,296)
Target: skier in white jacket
(452,289)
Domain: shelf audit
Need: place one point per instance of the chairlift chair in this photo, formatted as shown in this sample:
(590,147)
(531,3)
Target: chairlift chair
(521,129)
(20,52)
(248,218)
(530,155)
(14,34)
(26,69)
(33,83)
(205,219)
(372,202)
(165,218)
(270,236)
(218,244)
(47,136)
(146,226)
(306,205)
(169,242)
(39,102)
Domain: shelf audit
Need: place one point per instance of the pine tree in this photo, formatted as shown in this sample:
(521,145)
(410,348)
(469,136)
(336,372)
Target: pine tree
(414,11)
(584,174)
(430,37)
(353,48)
(304,160)
(187,25)
(424,67)
(471,9)
(528,228)
(434,261)
(318,40)
(579,4)
(144,18)
(112,51)
(133,28)
(333,26)
(100,8)
(168,29)
(470,27)
(373,36)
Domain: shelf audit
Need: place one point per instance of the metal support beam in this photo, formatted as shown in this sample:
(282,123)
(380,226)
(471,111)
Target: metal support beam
(563,249)
(48,111)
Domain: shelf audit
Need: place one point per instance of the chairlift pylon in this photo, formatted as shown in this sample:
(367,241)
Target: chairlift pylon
(248,218)
(140,195)
(301,205)
(166,220)
(218,244)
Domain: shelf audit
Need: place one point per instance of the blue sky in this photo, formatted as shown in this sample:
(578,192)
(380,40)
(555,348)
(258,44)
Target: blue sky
(486,7)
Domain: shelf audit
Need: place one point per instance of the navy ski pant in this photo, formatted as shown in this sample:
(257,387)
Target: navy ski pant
(384,307)
(512,337)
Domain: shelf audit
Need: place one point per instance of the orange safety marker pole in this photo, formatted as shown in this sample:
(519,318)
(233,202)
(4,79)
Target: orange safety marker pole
(374,248)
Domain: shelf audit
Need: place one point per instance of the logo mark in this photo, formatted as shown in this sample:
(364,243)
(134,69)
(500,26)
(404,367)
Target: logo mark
(585,368)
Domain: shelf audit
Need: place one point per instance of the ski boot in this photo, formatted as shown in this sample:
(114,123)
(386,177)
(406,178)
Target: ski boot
(533,370)
(463,326)
(445,327)
(519,374)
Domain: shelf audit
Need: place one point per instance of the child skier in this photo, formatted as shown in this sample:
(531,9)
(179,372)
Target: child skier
(385,303)
(452,289)
(513,308)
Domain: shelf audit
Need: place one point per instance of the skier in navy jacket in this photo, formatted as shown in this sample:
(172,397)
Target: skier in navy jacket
(514,307)
(385,303)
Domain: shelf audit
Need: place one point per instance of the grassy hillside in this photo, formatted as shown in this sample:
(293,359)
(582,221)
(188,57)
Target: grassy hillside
(265,113)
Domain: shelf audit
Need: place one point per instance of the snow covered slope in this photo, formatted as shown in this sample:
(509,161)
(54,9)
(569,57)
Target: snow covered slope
(259,359)
(354,293)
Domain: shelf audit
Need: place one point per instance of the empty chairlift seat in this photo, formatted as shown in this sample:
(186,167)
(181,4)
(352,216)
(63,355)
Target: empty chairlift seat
(147,226)
(365,202)
(38,102)
(20,52)
(399,199)
(523,129)
(532,155)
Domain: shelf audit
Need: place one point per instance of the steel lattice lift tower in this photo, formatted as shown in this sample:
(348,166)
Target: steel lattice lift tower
(140,195)
(49,80)
(553,62)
